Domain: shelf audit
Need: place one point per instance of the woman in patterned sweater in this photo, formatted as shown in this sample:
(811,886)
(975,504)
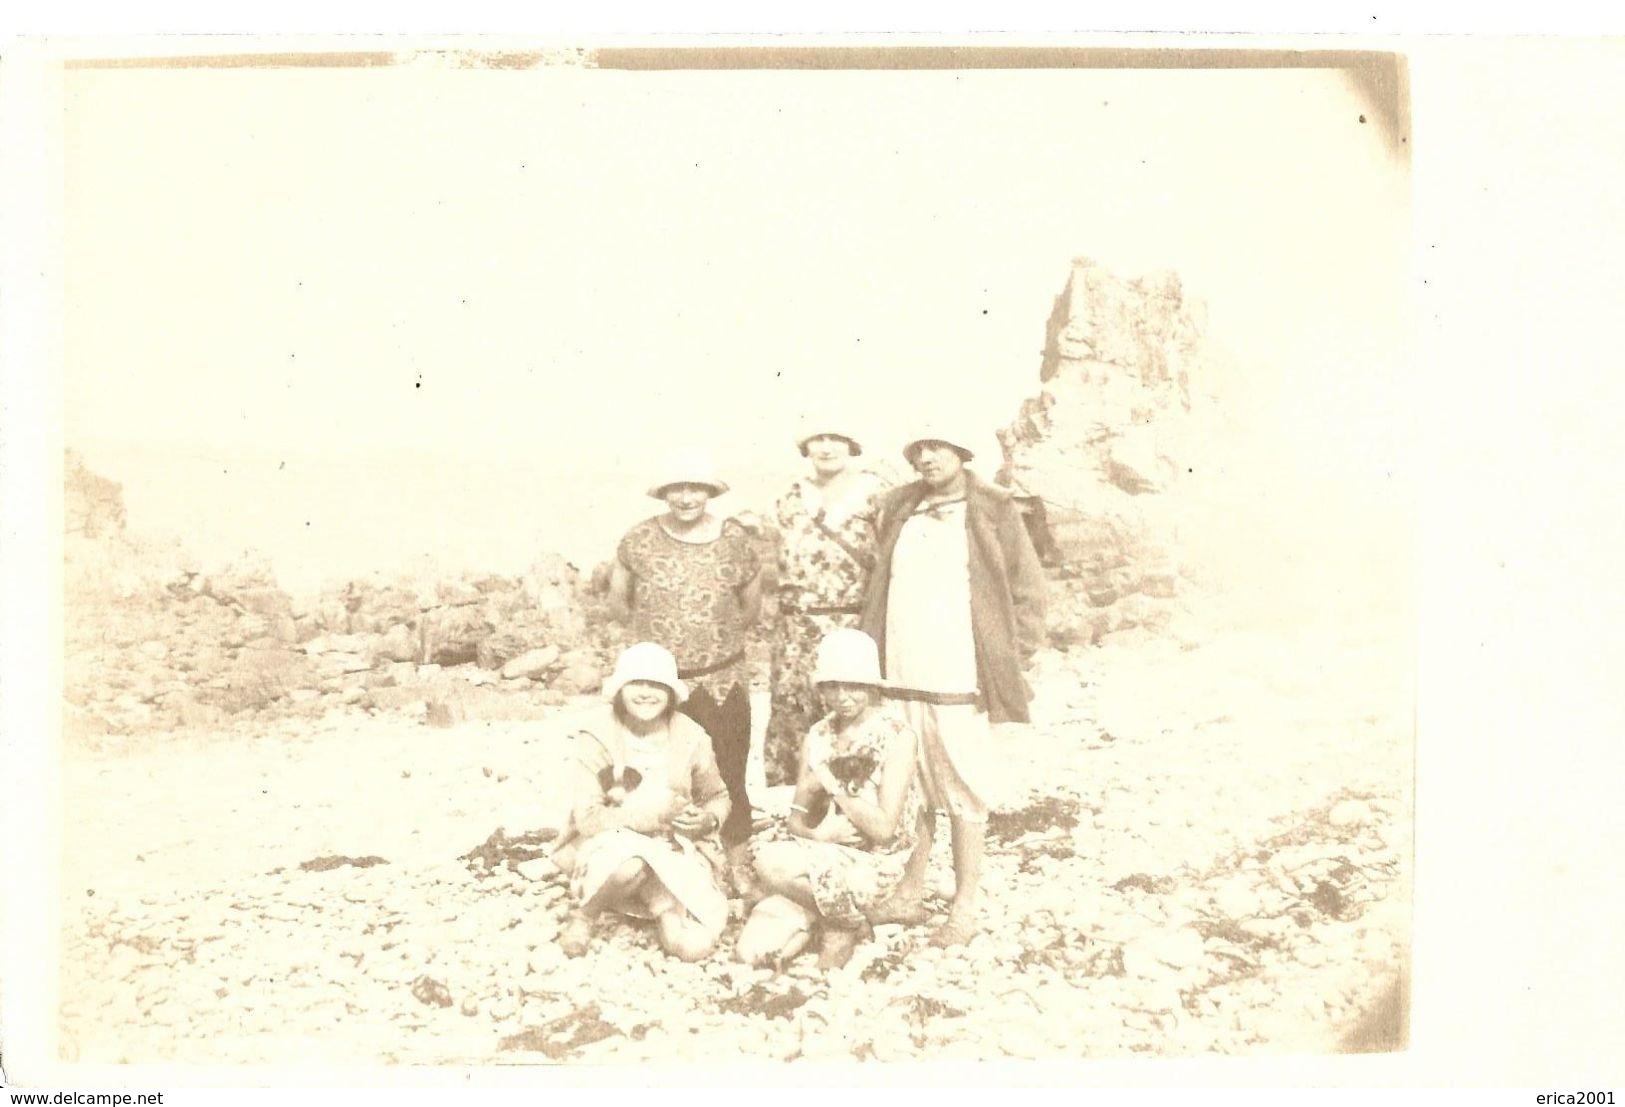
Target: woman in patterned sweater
(691,581)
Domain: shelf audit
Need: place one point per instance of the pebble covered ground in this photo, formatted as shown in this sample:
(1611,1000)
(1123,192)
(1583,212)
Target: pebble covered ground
(1205,848)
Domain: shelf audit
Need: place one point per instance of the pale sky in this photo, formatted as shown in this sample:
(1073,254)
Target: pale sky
(414,311)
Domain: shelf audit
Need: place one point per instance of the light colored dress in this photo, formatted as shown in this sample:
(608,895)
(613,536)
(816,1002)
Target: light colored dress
(846,880)
(676,767)
(825,556)
(931,661)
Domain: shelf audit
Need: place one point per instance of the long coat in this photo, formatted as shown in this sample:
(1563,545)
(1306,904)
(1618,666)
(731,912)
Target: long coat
(1006,590)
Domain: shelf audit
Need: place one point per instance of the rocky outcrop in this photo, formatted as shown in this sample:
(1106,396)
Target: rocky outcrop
(1098,454)
(155,643)
(92,506)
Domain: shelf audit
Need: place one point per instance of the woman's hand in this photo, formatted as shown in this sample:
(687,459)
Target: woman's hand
(650,809)
(837,828)
(693,822)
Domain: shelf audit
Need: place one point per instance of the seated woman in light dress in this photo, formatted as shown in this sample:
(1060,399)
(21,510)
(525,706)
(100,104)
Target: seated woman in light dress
(854,814)
(648,804)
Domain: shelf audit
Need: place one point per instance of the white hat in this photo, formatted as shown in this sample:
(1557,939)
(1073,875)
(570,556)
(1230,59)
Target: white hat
(847,656)
(810,429)
(689,467)
(937,434)
(645,661)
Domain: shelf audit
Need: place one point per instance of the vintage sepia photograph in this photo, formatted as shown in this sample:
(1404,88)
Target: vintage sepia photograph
(607,553)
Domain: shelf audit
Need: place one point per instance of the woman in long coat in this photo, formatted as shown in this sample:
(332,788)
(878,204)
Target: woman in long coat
(956,604)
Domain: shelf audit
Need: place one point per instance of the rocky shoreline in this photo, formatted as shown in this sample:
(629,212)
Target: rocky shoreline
(1155,885)
(313,829)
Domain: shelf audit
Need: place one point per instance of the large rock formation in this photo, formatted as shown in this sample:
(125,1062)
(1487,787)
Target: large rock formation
(1097,452)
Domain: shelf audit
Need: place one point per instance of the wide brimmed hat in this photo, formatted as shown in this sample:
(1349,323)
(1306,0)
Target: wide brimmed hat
(689,467)
(847,656)
(645,661)
(937,434)
(810,429)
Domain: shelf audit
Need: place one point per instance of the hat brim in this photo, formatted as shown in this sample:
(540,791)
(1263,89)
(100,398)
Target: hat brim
(964,454)
(717,487)
(853,443)
(617,681)
(839,678)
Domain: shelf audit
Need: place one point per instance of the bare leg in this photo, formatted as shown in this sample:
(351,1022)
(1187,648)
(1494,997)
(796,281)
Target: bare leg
(779,872)
(622,885)
(681,936)
(742,871)
(837,944)
(778,929)
(799,891)
(969,842)
(685,938)
(906,903)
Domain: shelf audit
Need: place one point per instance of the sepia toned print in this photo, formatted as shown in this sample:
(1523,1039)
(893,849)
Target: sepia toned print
(450,678)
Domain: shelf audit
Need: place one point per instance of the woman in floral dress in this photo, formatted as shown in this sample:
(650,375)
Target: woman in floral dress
(856,807)
(827,527)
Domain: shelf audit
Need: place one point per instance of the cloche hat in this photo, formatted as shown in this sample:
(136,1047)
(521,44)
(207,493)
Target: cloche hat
(847,656)
(938,434)
(689,467)
(809,429)
(645,661)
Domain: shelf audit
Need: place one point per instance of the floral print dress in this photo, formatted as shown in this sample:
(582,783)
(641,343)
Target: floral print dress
(846,880)
(824,562)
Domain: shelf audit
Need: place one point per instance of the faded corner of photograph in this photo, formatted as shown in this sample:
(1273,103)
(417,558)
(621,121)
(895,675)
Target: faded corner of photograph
(618,556)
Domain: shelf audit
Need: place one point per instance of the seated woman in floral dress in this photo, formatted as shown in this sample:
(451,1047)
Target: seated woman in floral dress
(649,801)
(854,813)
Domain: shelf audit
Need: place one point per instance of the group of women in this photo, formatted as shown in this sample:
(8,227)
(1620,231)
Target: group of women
(907,616)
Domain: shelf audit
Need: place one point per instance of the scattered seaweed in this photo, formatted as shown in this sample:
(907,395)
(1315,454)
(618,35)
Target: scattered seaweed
(1145,882)
(565,1034)
(502,850)
(764,1002)
(430,992)
(883,966)
(1046,813)
(336,861)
